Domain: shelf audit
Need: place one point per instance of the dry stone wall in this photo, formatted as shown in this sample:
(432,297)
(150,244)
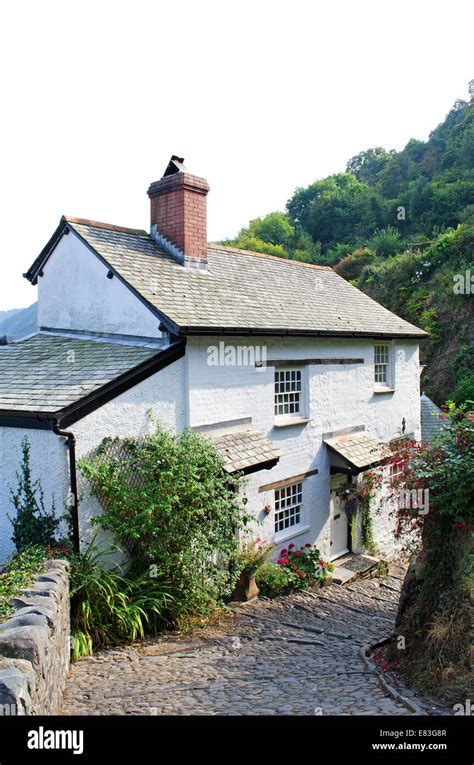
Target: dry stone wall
(34,645)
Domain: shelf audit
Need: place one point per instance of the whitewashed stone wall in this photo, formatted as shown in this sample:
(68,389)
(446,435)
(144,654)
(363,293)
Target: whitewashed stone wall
(35,646)
(74,293)
(49,464)
(338,396)
(161,398)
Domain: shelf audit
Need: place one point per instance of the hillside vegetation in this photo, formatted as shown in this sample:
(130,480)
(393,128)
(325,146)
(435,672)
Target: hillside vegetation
(400,226)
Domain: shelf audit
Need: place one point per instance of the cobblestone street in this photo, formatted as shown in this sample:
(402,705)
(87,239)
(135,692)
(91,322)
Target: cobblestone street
(297,655)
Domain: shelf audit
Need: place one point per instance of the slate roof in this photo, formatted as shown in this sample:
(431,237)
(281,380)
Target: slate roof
(431,419)
(358,450)
(245,449)
(38,375)
(241,291)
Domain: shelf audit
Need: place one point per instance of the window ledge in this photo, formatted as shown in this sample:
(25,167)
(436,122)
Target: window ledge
(286,423)
(384,390)
(291,533)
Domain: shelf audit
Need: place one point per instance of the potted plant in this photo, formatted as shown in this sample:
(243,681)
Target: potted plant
(253,554)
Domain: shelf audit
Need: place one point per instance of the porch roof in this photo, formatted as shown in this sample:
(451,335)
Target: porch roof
(357,450)
(246,450)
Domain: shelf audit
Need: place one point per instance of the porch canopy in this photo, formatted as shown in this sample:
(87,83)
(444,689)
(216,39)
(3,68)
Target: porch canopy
(247,450)
(354,452)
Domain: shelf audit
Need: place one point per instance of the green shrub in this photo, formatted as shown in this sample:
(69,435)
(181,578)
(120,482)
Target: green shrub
(252,554)
(386,242)
(108,608)
(33,525)
(305,565)
(169,500)
(296,569)
(17,573)
(273,580)
(464,390)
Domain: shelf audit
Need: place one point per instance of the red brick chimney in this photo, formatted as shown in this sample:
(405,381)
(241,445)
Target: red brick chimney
(178,213)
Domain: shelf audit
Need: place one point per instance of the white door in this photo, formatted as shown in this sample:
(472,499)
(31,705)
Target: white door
(339,530)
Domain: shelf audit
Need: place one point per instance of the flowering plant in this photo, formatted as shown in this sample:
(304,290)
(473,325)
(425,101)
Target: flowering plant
(304,566)
(252,554)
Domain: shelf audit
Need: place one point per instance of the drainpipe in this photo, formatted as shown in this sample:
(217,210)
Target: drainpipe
(71,443)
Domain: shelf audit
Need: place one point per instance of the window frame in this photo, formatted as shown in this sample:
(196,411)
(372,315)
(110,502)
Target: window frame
(389,383)
(295,528)
(289,416)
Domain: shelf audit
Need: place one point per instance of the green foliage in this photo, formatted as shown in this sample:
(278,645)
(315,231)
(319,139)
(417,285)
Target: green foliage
(168,498)
(275,235)
(17,573)
(252,554)
(273,580)
(32,524)
(386,242)
(445,467)
(464,390)
(337,209)
(415,209)
(367,165)
(296,569)
(108,608)
(434,615)
(351,265)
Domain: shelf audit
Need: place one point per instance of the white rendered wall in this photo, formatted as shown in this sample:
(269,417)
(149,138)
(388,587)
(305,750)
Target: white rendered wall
(49,463)
(74,293)
(339,396)
(162,396)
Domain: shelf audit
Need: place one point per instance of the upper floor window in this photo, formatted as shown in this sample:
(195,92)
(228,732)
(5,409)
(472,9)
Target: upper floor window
(288,506)
(382,369)
(288,393)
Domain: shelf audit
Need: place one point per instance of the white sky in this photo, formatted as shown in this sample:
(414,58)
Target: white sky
(259,96)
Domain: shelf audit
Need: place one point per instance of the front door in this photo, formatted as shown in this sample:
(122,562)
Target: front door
(339,530)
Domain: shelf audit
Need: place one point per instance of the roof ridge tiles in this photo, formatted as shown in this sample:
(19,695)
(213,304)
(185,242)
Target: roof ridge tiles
(107,226)
(216,246)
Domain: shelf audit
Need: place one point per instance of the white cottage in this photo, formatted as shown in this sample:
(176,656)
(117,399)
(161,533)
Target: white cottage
(296,375)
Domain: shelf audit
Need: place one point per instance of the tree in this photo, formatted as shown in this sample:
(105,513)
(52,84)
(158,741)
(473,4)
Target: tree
(32,525)
(275,235)
(331,210)
(367,165)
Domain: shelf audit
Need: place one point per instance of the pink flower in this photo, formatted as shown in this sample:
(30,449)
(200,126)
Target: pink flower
(258,539)
(301,575)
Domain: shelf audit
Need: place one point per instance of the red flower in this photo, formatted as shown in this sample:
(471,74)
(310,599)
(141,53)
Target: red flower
(284,551)
(307,544)
(301,575)
(281,561)
(290,547)
(296,552)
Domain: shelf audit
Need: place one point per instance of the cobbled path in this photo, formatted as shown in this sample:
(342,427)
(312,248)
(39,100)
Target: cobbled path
(298,655)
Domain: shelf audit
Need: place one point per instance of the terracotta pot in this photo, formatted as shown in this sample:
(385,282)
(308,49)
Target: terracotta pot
(246,587)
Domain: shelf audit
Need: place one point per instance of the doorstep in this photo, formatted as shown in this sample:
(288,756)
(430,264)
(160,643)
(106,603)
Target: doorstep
(350,566)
